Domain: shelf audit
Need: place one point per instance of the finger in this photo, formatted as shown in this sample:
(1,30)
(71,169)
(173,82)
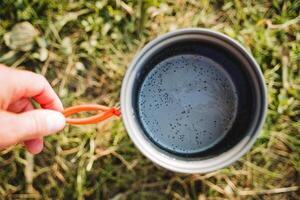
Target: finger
(21,105)
(27,84)
(34,146)
(29,125)
(39,89)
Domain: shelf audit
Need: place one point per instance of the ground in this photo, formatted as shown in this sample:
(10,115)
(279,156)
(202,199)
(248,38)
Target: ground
(84,47)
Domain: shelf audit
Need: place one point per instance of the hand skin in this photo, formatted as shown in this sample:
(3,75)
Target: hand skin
(19,121)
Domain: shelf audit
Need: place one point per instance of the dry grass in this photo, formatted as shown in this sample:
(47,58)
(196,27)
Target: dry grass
(88,46)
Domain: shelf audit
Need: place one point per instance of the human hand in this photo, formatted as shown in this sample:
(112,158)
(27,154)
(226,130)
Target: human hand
(19,121)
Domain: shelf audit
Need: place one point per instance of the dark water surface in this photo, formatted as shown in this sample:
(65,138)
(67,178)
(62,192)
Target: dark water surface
(187,103)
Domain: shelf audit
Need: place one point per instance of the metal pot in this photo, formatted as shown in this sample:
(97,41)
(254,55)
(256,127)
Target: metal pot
(243,72)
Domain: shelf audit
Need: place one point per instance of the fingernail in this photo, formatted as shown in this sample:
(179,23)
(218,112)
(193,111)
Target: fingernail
(55,122)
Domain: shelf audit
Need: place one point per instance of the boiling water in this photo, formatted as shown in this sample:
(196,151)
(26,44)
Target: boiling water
(187,104)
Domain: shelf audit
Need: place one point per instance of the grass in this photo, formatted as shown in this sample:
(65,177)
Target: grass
(84,48)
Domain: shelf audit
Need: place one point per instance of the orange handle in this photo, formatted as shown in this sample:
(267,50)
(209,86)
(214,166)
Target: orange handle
(107,112)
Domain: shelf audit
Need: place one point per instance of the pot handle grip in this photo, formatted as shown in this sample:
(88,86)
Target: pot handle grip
(106,112)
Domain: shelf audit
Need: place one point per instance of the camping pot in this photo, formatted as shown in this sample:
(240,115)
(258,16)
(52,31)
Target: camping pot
(193,100)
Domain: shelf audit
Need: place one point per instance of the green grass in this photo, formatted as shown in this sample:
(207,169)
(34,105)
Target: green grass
(84,48)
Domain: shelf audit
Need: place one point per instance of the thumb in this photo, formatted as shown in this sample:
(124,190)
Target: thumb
(29,125)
